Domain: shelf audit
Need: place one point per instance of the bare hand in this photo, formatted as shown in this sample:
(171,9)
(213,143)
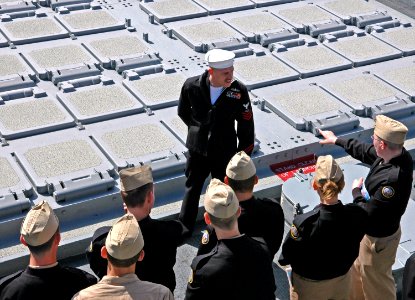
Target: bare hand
(329,137)
(357,183)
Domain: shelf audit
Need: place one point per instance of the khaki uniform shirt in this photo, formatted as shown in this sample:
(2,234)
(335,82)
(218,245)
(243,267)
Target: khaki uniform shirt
(127,287)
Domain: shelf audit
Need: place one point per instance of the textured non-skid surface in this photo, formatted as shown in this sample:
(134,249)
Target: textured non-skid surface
(59,56)
(8,176)
(215,4)
(119,46)
(362,47)
(159,88)
(62,158)
(90,19)
(403,37)
(304,103)
(179,125)
(350,7)
(174,7)
(305,14)
(256,23)
(21,29)
(312,58)
(138,141)
(31,114)
(404,77)
(261,68)
(10,64)
(362,89)
(208,31)
(101,100)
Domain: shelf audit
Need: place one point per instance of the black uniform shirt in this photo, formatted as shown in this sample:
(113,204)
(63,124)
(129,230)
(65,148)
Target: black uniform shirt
(51,283)
(388,184)
(161,239)
(211,128)
(237,268)
(408,280)
(323,243)
(259,218)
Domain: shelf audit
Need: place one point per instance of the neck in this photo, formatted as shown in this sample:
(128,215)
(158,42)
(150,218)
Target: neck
(243,196)
(139,213)
(44,260)
(390,155)
(227,234)
(115,271)
(330,201)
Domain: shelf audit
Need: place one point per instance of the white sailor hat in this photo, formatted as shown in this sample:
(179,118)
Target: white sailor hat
(220,59)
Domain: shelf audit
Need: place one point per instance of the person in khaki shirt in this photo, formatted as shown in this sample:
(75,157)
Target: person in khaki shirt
(123,248)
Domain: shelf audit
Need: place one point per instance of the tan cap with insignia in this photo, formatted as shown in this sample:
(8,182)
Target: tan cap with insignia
(240,167)
(125,239)
(220,59)
(133,178)
(327,169)
(220,200)
(390,130)
(39,225)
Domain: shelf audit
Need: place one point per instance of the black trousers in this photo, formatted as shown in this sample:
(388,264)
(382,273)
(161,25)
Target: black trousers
(198,168)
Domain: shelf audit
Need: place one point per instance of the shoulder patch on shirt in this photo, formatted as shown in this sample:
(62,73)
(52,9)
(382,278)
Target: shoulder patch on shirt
(205,237)
(294,232)
(388,192)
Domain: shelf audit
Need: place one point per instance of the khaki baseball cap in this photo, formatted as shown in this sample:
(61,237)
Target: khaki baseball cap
(220,200)
(133,178)
(124,240)
(39,225)
(327,169)
(390,130)
(240,167)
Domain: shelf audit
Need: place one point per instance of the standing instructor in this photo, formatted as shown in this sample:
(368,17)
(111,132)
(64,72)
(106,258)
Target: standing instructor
(388,186)
(209,105)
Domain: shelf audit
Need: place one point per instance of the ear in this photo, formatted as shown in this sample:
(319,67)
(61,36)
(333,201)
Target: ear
(104,253)
(207,219)
(315,187)
(210,70)
(256,179)
(238,213)
(226,180)
(22,240)
(141,256)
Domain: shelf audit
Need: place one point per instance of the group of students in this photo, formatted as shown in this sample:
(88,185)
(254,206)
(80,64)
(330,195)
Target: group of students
(336,251)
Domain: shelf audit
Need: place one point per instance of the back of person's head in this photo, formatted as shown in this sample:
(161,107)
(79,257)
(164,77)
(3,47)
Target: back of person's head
(221,204)
(241,173)
(136,183)
(124,242)
(329,178)
(390,131)
(40,228)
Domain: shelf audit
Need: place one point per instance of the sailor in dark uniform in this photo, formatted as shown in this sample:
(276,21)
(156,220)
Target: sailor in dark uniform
(260,217)
(388,187)
(408,280)
(209,105)
(44,278)
(323,243)
(238,267)
(162,237)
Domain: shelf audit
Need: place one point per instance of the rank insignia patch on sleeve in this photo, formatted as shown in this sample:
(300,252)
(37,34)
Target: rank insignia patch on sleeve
(294,232)
(388,192)
(205,237)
